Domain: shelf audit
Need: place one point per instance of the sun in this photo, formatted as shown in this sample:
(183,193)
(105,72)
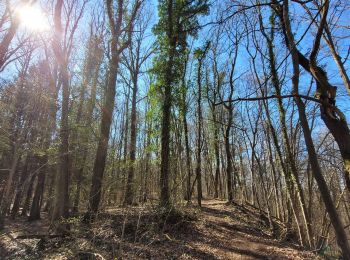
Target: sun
(32,18)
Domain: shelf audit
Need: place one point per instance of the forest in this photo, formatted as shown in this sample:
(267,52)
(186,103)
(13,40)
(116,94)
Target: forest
(174,129)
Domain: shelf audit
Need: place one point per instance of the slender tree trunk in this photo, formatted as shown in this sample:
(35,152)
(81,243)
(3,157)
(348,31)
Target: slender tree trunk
(6,200)
(89,118)
(188,152)
(229,107)
(316,170)
(337,126)
(20,186)
(287,175)
(116,49)
(322,185)
(130,189)
(164,172)
(166,114)
(106,121)
(217,157)
(115,22)
(147,176)
(217,82)
(229,167)
(286,142)
(274,175)
(126,140)
(39,190)
(199,135)
(78,171)
(290,163)
(61,203)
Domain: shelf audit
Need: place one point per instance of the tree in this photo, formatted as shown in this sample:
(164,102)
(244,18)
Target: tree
(200,55)
(213,98)
(16,137)
(62,49)
(177,21)
(336,123)
(120,39)
(8,16)
(134,60)
(85,109)
(336,222)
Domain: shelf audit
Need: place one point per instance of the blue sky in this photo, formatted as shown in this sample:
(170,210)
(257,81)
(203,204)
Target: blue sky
(343,99)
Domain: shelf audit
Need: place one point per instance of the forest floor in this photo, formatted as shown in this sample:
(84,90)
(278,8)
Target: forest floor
(216,231)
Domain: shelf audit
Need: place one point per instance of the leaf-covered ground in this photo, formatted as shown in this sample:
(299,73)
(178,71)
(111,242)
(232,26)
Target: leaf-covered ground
(217,231)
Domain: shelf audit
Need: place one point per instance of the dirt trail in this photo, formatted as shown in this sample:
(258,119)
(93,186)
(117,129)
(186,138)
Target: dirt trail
(220,231)
(230,233)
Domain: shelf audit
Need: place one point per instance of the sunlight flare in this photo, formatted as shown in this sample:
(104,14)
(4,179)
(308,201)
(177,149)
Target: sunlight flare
(33,18)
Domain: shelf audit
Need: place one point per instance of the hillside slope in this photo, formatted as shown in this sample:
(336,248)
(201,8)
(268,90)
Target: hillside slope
(217,231)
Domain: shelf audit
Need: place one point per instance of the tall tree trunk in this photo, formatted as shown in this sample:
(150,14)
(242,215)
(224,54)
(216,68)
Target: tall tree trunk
(20,186)
(337,126)
(199,134)
(106,121)
(229,107)
(287,175)
(212,104)
(116,48)
(6,200)
(88,120)
(164,171)
(316,170)
(130,189)
(166,113)
(322,185)
(61,203)
(188,153)
(285,138)
(125,137)
(147,173)
(217,158)
(274,174)
(229,167)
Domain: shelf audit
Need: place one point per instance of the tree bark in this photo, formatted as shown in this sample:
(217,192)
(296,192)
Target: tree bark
(115,22)
(61,203)
(285,138)
(337,126)
(39,190)
(199,133)
(166,113)
(316,170)
(229,167)
(106,121)
(20,186)
(130,189)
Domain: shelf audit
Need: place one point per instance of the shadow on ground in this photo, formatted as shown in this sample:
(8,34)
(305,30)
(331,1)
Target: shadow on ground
(216,231)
